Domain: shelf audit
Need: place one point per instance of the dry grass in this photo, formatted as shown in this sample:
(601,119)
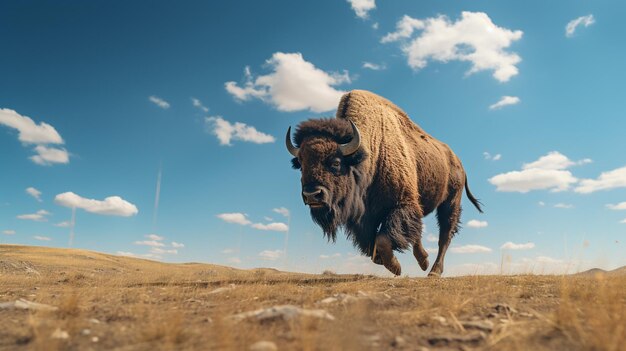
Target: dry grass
(108,302)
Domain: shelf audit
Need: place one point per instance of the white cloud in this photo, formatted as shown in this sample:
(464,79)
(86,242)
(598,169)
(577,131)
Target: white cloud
(126,253)
(495,157)
(49,155)
(42,238)
(541,203)
(154,237)
(335,255)
(571,26)
(110,206)
(39,216)
(623,221)
(477,224)
(473,38)
(374,66)
(270,255)
(375,25)
(39,134)
(8,232)
(282,210)
(619,206)
(234,260)
(236,218)
(159,102)
(197,103)
(29,131)
(607,180)
(362,7)
(177,245)
(159,251)
(563,205)
(470,249)
(505,101)
(64,224)
(152,243)
(294,85)
(513,246)
(276,226)
(227,251)
(226,131)
(34,193)
(431,238)
(548,172)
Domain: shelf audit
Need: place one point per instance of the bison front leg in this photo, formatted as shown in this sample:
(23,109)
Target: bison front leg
(383,254)
(401,228)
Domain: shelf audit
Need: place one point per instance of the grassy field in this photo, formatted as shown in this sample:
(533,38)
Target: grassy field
(97,301)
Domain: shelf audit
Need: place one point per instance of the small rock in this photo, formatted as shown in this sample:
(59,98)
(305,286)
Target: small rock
(493,315)
(329,300)
(223,289)
(284,312)
(263,346)
(60,334)
(208,320)
(480,325)
(22,304)
(504,308)
(526,315)
(94,321)
(474,338)
(440,319)
(398,341)
(95,339)
(85,331)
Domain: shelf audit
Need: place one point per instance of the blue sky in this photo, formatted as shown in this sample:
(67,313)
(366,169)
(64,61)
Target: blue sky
(99,99)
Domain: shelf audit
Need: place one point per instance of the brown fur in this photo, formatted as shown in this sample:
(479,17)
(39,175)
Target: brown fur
(399,175)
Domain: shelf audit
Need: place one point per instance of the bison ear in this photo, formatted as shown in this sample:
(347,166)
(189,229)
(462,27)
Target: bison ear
(356,158)
(295,164)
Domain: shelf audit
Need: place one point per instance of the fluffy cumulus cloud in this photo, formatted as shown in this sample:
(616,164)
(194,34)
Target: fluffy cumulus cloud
(177,245)
(470,249)
(49,155)
(617,207)
(154,237)
(294,85)
(505,101)
(549,172)
(270,255)
(509,245)
(153,243)
(227,132)
(473,38)
(584,21)
(242,219)
(335,255)
(159,102)
(362,7)
(42,238)
(474,223)
(64,224)
(110,206)
(40,135)
(8,232)
(39,216)
(563,205)
(34,193)
(606,181)
(236,218)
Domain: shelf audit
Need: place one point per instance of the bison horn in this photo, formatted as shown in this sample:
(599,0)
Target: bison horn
(353,145)
(292,149)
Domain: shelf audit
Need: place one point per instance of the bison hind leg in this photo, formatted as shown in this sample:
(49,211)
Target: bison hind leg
(383,254)
(420,255)
(448,218)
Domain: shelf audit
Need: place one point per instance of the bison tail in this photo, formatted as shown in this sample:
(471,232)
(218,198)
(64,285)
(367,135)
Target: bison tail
(471,197)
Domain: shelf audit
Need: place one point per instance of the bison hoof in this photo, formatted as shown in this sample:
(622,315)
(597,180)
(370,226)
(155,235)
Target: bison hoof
(394,266)
(434,275)
(423,264)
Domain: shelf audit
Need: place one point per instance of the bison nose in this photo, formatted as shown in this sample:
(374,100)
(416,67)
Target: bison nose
(313,196)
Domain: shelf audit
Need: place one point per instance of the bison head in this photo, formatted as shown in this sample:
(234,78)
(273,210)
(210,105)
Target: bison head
(328,154)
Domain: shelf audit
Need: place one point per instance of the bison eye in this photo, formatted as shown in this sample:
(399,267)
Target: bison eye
(335,164)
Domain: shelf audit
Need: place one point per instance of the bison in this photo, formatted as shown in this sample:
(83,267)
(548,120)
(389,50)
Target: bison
(376,174)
